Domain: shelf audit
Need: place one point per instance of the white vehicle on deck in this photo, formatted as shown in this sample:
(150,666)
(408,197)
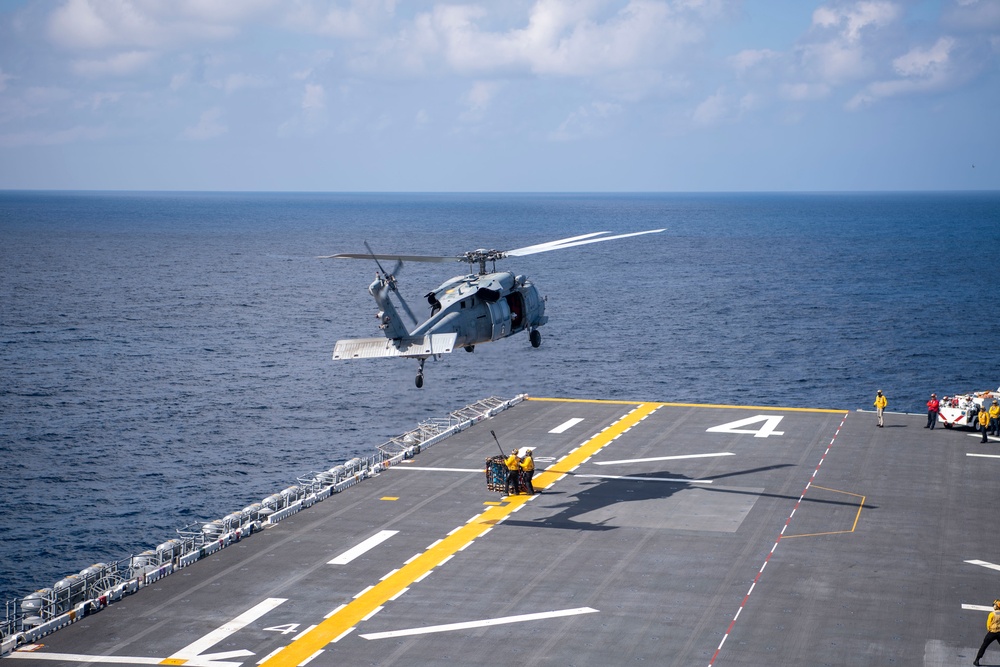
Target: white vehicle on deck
(962,409)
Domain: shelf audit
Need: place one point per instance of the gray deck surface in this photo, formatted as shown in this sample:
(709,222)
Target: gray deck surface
(830,542)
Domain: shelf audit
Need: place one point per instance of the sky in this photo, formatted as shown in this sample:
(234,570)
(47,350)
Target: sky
(500,95)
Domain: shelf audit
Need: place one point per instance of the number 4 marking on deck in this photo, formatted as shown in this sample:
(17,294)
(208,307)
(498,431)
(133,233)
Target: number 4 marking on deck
(285,629)
(770,423)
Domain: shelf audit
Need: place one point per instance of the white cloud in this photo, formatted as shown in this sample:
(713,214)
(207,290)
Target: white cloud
(852,19)
(314,98)
(147,24)
(587,121)
(561,38)
(121,64)
(362,18)
(750,59)
(208,127)
(478,99)
(239,81)
(921,70)
(713,110)
(4,78)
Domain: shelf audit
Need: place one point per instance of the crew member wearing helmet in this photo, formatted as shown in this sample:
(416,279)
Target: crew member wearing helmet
(992,631)
(880,403)
(528,471)
(995,417)
(513,470)
(984,423)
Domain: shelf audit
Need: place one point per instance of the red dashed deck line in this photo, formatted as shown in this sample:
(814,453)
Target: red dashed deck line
(746,597)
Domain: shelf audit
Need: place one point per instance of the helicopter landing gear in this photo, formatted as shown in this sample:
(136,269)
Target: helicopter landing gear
(420,375)
(470,348)
(535,337)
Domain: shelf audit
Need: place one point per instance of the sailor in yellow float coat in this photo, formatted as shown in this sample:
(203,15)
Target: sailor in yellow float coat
(513,470)
(995,417)
(984,423)
(992,630)
(880,403)
(528,471)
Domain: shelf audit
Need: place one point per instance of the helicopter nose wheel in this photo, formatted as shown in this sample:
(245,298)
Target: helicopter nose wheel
(419,381)
(535,337)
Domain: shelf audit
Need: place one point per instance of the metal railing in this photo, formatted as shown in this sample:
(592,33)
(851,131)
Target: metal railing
(95,587)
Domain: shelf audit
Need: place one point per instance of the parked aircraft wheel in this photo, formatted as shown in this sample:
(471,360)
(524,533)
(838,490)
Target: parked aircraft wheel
(536,338)
(470,348)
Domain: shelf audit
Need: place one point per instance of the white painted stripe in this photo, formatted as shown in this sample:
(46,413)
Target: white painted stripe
(373,612)
(389,574)
(663,458)
(479,624)
(367,545)
(335,611)
(364,591)
(976,607)
(72,657)
(310,658)
(479,470)
(566,425)
(342,635)
(394,597)
(982,563)
(270,655)
(980,436)
(985,456)
(194,650)
(301,634)
(651,479)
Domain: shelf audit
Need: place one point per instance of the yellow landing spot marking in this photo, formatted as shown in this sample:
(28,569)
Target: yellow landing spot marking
(835,532)
(492,502)
(368,601)
(685,405)
(389,498)
(172,661)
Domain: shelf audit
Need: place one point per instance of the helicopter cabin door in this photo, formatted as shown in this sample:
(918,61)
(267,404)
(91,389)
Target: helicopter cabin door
(515,301)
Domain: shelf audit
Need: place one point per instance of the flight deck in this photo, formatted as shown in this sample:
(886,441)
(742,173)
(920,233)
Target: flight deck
(662,533)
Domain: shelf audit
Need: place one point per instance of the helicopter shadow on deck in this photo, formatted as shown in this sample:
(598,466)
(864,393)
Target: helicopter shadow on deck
(606,503)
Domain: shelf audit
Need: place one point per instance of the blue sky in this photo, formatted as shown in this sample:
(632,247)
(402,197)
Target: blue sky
(506,95)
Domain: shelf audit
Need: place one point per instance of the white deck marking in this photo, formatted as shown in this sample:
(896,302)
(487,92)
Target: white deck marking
(976,607)
(480,624)
(439,469)
(663,458)
(650,479)
(770,423)
(982,563)
(367,545)
(567,425)
(985,456)
(73,657)
(193,654)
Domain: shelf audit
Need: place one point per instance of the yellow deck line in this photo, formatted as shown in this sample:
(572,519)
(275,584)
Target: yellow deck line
(686,405)
(379,594)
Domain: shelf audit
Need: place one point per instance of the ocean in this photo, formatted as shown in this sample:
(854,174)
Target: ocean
(166,357)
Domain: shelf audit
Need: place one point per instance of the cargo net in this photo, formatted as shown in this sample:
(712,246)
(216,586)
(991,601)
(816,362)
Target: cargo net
(496,474)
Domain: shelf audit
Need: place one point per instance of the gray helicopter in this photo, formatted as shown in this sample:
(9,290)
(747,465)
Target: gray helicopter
(465,311)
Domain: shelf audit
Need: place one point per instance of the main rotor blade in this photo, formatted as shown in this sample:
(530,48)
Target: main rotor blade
(574,241)
(402,258)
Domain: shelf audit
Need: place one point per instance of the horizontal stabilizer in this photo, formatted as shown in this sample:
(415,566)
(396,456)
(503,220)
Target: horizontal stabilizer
(372,348)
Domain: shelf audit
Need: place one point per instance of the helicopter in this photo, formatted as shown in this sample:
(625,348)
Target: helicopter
(466,310)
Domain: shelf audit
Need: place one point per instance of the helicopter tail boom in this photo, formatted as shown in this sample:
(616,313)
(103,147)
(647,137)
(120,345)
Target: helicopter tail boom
(372,348)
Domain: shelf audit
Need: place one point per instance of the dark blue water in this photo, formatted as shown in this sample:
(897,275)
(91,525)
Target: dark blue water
(165,358)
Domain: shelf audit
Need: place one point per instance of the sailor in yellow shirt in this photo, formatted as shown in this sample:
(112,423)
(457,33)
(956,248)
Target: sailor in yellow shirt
(513,471)
(984,423)
(995,417)
(528,471)
(880,403)
(992,631)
